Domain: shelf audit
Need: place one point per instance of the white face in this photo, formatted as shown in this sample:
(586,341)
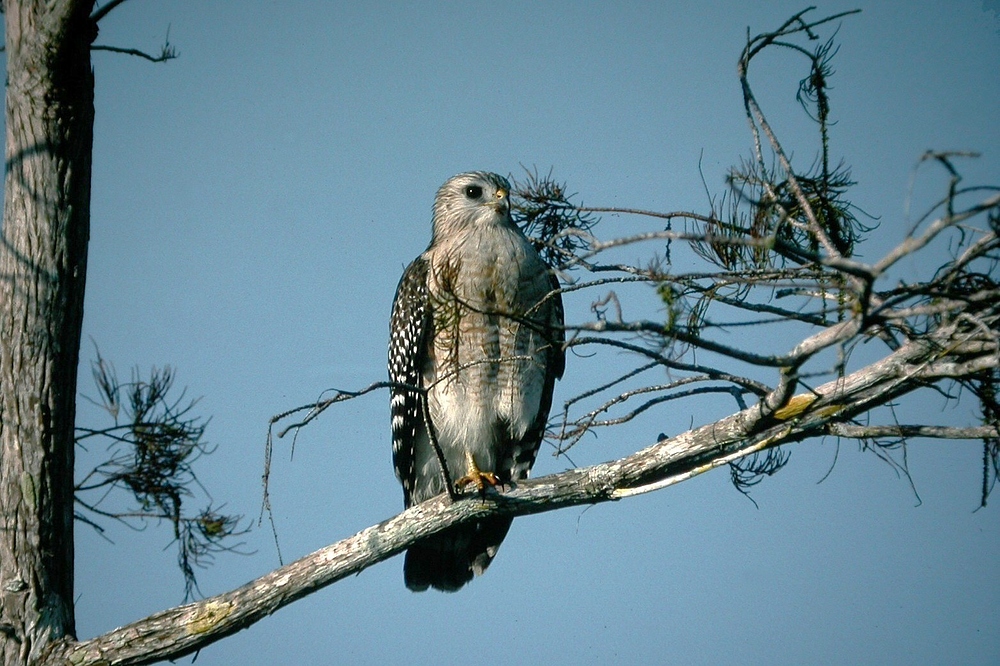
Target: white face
(470,199)
(479,192)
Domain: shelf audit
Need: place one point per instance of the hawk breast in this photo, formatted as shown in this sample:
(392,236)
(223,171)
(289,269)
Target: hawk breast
(487,367)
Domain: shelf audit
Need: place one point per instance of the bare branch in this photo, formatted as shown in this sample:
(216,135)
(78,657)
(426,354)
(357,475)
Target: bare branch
(168,53)
(906,431)
(175,632)
(914,243)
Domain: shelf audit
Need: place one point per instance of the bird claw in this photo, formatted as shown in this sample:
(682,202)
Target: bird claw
(481,480)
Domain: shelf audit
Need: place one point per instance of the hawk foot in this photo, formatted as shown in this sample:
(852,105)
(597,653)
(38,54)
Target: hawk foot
(477,477)
(480,479)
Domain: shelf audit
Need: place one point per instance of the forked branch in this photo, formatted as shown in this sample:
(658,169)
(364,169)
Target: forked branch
(179,631)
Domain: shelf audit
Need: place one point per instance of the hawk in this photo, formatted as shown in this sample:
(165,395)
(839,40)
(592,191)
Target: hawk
(477,332)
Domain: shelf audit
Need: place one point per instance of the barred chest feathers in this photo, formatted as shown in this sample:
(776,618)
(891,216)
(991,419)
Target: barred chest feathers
(476,328)
(484,371)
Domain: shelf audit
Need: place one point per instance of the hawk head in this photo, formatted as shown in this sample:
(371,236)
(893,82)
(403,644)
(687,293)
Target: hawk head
(476,199)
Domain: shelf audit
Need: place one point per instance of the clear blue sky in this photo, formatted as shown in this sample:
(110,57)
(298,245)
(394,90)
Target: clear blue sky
(255,201)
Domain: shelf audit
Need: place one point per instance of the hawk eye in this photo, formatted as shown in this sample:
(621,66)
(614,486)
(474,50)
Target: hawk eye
(473,191)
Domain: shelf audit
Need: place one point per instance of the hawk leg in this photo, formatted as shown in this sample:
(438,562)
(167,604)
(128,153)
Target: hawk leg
(477,477)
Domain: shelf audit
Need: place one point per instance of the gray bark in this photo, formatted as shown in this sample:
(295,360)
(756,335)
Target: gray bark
(43,249)
(43,258)
(175,632)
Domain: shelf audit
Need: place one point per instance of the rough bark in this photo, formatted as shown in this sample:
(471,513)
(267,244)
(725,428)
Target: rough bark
(43,256)
(42,272)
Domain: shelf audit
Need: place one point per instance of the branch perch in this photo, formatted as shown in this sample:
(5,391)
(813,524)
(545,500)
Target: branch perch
(185,629)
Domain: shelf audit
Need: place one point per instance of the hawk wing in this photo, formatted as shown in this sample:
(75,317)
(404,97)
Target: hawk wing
(410,330)
(519,456)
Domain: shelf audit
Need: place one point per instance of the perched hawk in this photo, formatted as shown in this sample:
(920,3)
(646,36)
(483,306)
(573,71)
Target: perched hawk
(477,325)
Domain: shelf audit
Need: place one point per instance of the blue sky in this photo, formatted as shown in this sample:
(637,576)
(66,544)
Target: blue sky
(255,201)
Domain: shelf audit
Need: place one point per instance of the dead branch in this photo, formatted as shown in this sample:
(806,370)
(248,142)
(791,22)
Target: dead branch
(175,632)
(904,431)
(788,236)
(168,52)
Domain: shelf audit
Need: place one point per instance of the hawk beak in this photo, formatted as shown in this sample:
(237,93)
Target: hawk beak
(502,202)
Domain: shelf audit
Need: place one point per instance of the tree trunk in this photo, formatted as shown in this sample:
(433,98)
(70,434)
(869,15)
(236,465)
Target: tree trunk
(43,259)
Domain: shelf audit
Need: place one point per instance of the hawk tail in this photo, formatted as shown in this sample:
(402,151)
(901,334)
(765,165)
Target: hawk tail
(449,560)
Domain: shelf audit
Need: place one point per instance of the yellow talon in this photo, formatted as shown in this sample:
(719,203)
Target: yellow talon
(477,477)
